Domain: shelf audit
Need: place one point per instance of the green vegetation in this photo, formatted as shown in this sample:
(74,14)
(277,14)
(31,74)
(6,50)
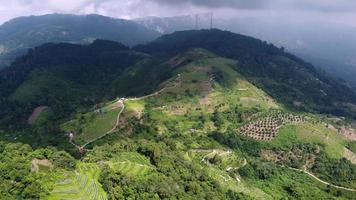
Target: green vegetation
(352,146)
(89,126)
(167,128)
(18,181)
(131,165)
(333,143)
(81,184)
(285,77)
(20,34)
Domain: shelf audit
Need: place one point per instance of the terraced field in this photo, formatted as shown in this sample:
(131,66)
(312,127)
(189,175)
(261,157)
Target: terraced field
(80,185)
(224,179)
(224,171)
(132,164)
(130,168)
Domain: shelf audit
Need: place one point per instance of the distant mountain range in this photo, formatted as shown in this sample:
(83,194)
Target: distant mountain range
(20,34)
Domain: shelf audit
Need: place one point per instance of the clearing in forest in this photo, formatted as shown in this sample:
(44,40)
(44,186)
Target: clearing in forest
(87,127)
(35,114)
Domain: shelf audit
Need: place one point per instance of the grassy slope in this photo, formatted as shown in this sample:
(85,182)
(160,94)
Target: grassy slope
(333,142)
(92,125)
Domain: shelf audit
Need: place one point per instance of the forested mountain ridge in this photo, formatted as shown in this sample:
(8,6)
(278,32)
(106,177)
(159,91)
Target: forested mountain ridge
(284,76)
(20,34)
(69,76)
(331,50)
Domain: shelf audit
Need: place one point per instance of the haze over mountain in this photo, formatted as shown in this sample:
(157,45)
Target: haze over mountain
(329,46)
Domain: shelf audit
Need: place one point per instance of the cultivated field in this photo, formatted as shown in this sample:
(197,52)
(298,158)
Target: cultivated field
(81,185)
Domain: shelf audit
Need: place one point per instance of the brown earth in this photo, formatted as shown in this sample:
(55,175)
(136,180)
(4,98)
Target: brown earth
(349,155)
(37,165)
(349,133)
(36,113)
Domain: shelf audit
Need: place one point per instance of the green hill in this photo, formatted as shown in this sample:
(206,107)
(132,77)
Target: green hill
(285,77)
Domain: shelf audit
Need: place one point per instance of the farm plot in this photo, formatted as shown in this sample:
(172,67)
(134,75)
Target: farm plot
(268,127)
(221,165)
(89,126)
(81,185)
(130,168)
(131,164)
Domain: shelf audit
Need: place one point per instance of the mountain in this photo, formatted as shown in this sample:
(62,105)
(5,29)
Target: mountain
(284,76)
(20,34)
(191,115)
(330,48)
(68,76)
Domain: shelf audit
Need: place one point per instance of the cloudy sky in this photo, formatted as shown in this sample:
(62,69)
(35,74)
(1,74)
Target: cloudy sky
(340,11)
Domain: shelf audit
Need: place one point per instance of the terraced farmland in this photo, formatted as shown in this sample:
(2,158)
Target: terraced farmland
(224,171)
(130,168)
(268,127)
(80,185)
(131,164)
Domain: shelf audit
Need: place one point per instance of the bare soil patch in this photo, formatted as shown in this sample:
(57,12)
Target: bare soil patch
(348,133)
(205,101)
(36,113)
(37,165)
(349,155)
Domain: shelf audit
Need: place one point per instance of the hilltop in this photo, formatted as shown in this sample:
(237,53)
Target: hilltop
(284,76)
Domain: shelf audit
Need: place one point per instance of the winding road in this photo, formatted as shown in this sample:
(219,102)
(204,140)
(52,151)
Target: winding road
(113,128)
(122,102)
(321,181)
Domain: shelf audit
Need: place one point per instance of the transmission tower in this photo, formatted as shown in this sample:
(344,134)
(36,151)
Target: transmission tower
(211,20)
(196,21)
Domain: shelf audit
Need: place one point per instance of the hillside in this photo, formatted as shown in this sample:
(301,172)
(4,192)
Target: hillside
(331,50)
(68,77)
(285,77)
(20,34)
(180,121)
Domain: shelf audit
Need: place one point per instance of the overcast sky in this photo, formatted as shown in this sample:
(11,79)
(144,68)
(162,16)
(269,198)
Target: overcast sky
(340,11)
